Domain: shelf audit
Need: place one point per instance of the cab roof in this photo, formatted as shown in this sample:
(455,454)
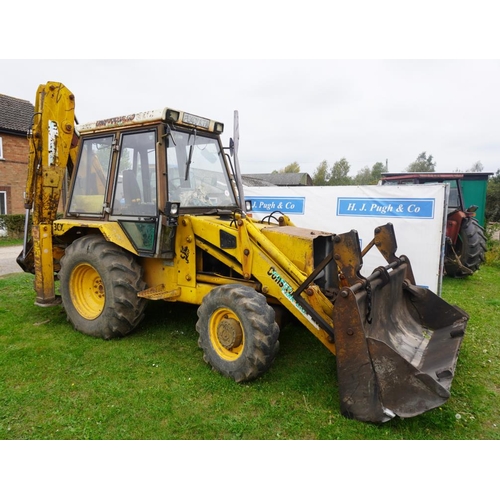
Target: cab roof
(148,117)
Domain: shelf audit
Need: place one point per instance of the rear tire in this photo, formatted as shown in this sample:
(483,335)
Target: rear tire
(238,332)
(99,285)
(470,248)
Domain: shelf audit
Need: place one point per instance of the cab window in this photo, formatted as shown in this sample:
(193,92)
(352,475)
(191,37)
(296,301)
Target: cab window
(91,177)
(135,189)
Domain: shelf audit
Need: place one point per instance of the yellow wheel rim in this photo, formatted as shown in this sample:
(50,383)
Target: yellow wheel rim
(87,291)
(226,334)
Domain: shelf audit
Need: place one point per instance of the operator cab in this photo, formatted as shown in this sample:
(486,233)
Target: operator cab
(132,169)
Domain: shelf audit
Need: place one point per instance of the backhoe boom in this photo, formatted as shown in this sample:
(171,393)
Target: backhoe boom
(52,149)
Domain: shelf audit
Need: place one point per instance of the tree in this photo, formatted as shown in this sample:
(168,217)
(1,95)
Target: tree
(422,164)
(476,167)
(377,170)
(368,175)
(293,168)
(363,177)
(321,175)
(340,173)
(492,209)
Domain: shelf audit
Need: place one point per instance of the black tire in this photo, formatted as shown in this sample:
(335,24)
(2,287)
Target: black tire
(238,332)
(99,285)
(470,248)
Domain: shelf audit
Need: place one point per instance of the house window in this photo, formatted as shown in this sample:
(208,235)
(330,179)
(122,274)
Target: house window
(1,149)
(3,202)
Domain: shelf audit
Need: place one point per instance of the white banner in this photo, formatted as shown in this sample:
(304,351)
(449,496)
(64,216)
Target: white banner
(418,213)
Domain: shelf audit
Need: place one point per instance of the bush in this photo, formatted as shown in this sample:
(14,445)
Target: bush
(13,224)
(492,209)
(493,253)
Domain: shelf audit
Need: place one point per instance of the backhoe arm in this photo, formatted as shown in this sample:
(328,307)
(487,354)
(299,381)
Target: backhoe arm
(53,147)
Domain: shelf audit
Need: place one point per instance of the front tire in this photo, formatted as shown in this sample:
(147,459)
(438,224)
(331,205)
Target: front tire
(99,285)
(238,332)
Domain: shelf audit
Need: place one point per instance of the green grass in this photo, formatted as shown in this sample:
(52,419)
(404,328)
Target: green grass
(8,242)
(57,384)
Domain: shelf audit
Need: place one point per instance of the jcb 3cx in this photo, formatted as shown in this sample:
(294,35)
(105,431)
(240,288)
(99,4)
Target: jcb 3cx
(154,210)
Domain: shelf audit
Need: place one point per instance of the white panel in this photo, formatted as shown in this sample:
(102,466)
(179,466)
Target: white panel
(417,213)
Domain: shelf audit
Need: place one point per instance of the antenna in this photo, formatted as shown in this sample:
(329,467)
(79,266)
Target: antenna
(239,185)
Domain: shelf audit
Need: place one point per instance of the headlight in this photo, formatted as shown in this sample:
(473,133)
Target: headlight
(172,208)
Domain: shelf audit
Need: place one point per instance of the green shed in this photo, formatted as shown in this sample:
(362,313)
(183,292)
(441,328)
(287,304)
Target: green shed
(474,187)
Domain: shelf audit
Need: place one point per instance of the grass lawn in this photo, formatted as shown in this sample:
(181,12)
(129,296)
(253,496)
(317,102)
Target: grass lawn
(150,404)
(7,242)
(56,383)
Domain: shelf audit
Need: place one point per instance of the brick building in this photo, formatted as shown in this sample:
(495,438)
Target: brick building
(15,120)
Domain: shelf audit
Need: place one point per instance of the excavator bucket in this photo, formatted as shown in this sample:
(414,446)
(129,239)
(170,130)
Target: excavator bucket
(397,344)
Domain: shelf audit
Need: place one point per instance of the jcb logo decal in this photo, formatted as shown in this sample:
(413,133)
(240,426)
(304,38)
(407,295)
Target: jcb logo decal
(185,254)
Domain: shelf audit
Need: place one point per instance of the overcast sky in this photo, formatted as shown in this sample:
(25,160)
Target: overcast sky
(366,81)
(303,111)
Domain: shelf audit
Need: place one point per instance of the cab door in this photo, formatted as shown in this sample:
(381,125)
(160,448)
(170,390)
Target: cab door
(135,195)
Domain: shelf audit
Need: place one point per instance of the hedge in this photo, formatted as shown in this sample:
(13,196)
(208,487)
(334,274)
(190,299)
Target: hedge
(14,224)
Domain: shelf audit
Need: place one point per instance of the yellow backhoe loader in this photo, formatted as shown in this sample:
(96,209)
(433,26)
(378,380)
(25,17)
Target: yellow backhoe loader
(154,210)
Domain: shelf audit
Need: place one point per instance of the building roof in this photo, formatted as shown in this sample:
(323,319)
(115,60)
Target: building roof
(251,181)
(15,114)
(288,179)
(437,176)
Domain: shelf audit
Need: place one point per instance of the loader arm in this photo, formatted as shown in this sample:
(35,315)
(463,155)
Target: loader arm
(262,264)
(396,344)
(53,148)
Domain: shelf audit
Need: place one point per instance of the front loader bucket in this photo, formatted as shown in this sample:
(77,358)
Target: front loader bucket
(397,346)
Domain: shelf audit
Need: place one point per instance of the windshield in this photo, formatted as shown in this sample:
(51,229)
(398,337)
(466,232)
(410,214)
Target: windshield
(453,200)
(197,176)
